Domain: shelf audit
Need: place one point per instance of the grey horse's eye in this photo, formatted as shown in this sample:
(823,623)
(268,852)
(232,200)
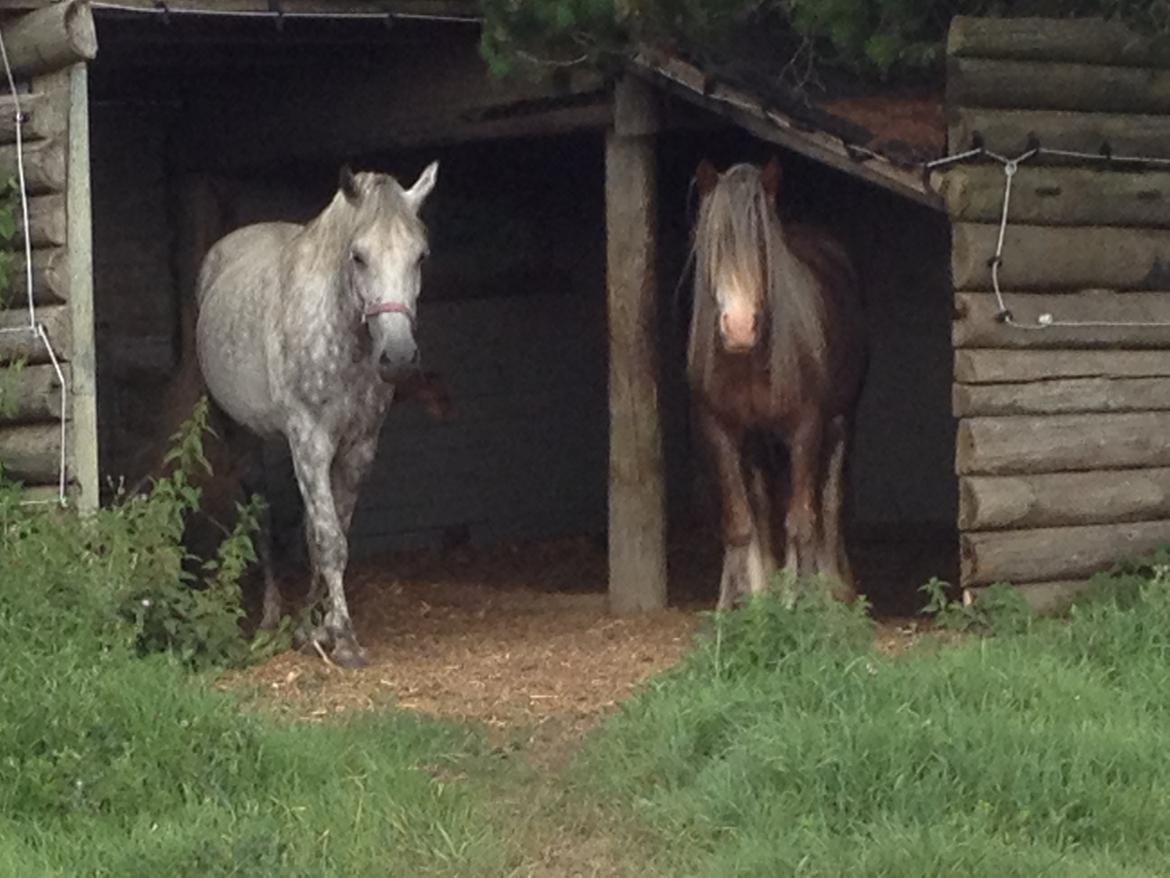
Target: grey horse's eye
(357,257)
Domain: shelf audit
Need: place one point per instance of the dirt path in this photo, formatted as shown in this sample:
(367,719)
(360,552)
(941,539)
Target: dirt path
(538,660)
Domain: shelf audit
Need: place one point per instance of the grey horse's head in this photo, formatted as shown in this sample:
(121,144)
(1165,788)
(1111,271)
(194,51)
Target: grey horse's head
(386,245)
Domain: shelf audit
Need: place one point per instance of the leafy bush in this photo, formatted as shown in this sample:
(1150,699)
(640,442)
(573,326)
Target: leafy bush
(1000,608)
(121,577)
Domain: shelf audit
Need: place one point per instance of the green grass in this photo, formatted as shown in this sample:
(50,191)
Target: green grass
(784,745)
(1038,752)
(126,766)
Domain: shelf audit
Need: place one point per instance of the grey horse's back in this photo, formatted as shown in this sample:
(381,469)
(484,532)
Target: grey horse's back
(238,288)
(241,253)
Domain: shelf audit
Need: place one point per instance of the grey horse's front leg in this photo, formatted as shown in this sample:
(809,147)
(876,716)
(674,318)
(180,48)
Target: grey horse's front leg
(312,458)
(350,465)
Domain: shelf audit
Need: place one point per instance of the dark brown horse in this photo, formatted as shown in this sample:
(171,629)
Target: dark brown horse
(775,364)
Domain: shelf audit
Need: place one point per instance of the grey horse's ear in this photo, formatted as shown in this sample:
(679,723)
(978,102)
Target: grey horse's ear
(348,184)
(422,187)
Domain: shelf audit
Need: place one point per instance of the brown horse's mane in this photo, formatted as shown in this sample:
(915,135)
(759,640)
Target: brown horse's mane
(738,226)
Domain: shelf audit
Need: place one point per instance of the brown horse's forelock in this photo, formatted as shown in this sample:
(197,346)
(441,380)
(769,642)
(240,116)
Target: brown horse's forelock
(737,229)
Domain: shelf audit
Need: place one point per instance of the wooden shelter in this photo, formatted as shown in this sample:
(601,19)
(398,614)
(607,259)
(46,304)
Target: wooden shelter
(1060,465)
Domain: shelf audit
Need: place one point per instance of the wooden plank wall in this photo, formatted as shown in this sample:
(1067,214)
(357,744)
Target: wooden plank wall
(524,456)
(45,48)
(1063,444)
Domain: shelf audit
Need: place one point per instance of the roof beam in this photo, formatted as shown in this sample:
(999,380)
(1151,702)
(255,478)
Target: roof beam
(687,81)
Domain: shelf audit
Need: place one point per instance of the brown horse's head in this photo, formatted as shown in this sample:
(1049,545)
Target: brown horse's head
(731,244)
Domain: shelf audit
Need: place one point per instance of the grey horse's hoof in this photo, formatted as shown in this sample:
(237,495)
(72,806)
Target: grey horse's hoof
(312,641)
(348,654)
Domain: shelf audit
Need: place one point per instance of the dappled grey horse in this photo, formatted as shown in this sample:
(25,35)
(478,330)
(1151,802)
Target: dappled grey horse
(303,332)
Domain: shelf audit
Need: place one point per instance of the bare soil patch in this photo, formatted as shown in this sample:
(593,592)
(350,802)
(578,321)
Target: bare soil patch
(518,637)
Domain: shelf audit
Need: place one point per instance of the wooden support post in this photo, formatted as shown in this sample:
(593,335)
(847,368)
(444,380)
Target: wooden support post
(84,428)
(637,506)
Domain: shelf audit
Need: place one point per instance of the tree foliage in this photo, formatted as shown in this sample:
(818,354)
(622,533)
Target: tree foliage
(871,38)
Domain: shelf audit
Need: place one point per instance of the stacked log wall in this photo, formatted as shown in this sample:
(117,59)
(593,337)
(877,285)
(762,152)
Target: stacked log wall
(46,48)
(1063,444)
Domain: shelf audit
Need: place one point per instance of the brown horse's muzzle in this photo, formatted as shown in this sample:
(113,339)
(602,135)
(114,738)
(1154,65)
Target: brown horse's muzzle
(739,329)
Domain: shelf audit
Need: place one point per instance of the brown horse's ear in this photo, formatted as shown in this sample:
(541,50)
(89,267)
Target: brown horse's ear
(348,184)
(770,178)
(706,176)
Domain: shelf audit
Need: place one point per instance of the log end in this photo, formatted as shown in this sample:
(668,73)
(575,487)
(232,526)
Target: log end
(80,29)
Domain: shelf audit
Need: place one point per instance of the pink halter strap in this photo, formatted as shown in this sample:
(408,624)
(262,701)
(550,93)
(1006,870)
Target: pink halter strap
(389,308)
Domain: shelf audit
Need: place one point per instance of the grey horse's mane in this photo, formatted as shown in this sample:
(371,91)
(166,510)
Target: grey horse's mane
(737,226)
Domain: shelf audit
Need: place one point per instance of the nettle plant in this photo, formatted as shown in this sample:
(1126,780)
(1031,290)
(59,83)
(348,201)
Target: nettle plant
(121,578)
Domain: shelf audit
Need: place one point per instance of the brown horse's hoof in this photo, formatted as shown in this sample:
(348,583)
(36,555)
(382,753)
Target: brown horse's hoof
(845,594)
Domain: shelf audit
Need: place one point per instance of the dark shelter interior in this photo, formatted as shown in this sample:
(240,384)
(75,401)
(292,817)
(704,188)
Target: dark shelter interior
(513,311)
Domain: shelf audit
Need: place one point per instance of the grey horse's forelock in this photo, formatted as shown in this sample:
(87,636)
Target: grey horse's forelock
(738,231)
(380,197)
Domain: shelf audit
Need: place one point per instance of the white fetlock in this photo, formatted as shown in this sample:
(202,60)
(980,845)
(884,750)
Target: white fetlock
(757,569)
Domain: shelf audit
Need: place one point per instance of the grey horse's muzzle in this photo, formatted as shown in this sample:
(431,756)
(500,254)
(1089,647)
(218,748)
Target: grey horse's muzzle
(395,350)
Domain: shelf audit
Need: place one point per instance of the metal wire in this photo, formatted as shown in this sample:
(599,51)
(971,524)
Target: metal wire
(1046,320)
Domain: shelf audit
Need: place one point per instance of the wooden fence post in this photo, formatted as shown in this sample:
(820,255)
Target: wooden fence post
(637,507)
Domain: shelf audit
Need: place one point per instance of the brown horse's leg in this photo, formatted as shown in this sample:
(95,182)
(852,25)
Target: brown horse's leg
(742,566)
(800,521)
(761,489)
(833,558)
